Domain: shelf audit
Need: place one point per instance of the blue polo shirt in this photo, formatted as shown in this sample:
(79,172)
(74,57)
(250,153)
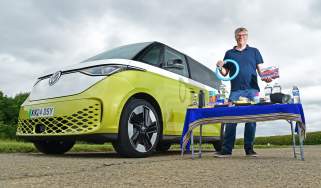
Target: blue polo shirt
(247,60)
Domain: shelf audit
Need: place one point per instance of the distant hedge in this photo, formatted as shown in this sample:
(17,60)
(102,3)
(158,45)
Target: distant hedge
(9,111)
(7,131)
(313,138)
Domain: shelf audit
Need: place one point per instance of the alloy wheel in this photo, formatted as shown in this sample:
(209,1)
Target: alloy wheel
(142,128)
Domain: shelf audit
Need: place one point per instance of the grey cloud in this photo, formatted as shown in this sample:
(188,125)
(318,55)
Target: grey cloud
(36,29)
(174,19)
(47,21)
(43,31)
(313,16)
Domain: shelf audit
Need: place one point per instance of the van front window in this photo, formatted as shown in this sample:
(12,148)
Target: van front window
(123,52)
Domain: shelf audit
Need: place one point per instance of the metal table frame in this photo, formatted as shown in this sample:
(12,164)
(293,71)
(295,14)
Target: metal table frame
(294,145)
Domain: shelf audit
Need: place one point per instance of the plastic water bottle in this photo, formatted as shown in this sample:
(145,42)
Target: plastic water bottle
(276,88)
(267,92)
(256,98)
(227,94)
(223,91)
(296,95)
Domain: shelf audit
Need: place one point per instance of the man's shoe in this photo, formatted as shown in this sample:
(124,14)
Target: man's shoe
(222,155)
(251,153)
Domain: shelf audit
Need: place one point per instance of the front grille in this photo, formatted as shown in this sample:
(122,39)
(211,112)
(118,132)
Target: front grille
(83,121)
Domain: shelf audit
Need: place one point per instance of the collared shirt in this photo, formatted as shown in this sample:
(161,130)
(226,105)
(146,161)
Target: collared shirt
(247,60)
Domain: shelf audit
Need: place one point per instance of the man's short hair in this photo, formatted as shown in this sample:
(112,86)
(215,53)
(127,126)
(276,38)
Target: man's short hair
(240,29)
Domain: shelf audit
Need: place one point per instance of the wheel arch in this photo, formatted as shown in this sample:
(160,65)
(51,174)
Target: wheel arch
(123,145)
(149,98)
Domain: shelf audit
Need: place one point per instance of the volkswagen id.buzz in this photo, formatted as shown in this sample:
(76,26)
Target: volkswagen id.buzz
(134,96)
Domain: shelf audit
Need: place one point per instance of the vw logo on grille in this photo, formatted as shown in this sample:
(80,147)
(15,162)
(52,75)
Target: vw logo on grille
(54,78)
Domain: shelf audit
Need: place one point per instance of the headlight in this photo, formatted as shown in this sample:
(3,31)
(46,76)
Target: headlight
(103,70)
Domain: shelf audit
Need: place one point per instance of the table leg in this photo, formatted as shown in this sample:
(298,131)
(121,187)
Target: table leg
(301,143)
(293,139)
(192,144)
(222,136)
(200,144)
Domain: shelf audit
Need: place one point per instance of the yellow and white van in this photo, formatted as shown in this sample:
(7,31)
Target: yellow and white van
(134,96)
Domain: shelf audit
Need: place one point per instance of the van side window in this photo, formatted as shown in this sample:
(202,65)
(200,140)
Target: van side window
(170,55)
(202,74)
(152,56)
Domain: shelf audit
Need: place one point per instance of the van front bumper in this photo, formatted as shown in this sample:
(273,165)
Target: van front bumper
(71,117)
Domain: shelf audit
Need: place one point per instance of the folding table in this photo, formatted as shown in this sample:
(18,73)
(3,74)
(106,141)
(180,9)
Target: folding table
(197,117)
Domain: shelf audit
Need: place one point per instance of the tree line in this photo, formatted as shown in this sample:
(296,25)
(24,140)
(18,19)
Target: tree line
(9,112)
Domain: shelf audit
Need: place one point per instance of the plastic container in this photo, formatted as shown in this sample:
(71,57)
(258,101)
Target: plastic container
(276,88)
(296,95)
(267,93)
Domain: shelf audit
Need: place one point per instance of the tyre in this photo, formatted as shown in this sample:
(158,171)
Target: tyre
(217,145)
(163,147)
(53,146)
(115,146)
(140,129)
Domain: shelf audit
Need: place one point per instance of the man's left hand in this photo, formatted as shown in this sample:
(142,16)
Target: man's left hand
(267,79)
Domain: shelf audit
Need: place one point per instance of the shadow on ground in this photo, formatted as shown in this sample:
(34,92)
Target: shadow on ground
(110,154)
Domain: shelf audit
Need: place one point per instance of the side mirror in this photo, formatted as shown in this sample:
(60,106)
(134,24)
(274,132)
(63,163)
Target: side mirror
(175,64)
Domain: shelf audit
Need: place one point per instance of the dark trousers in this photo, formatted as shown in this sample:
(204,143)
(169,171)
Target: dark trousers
(230,128)
(229,136)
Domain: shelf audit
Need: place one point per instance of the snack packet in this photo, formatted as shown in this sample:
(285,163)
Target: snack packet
(270,72)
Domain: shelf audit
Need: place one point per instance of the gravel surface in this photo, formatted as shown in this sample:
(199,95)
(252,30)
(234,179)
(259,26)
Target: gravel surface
(273,168)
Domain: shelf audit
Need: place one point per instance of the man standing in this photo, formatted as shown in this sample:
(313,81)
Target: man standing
(244,85)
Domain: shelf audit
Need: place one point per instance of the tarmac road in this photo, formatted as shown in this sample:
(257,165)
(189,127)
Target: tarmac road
(273,168)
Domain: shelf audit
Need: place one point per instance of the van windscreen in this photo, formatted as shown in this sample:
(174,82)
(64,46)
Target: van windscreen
(122,52)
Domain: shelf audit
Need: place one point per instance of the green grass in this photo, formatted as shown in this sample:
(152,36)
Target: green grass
(210,146)
(312,138)
(92,147)
(13,146)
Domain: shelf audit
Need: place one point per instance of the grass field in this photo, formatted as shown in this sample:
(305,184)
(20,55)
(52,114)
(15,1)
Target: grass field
(13,146)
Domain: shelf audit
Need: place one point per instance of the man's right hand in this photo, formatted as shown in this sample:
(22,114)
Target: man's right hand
(220,63)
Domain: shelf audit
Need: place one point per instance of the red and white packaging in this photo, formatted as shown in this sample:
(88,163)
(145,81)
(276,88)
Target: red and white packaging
(270,72)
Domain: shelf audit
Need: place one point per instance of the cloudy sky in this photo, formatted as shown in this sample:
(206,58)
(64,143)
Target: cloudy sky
(38,36)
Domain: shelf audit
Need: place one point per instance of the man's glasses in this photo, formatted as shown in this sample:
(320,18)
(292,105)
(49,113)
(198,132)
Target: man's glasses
(241,35)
